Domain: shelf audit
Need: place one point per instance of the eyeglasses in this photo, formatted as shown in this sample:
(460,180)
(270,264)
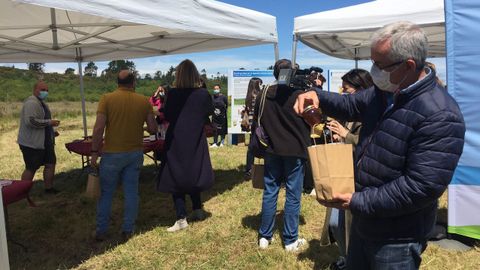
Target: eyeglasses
(388,66)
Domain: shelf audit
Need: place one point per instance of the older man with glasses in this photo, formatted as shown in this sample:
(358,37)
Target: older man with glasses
(411,139)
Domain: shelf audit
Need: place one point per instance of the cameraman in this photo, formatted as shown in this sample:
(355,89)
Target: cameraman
(289,137)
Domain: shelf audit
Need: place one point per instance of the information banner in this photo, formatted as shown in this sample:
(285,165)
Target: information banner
(237,90)
(334,80)
(462,21)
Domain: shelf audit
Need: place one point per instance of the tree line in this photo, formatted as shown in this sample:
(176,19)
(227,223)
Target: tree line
(17,84)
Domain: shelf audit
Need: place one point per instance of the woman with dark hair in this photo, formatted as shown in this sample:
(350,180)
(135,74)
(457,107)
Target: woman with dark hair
(254,88)
(338,221)
(186,167)
(353,81)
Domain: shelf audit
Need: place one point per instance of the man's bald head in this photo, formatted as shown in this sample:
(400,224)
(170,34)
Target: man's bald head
(39,86)
(126,78)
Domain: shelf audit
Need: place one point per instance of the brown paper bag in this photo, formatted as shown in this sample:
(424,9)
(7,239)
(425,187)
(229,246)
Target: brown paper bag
(93,186)
(257,174)
(332,169)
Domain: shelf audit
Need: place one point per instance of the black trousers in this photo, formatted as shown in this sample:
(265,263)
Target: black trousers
(179,201)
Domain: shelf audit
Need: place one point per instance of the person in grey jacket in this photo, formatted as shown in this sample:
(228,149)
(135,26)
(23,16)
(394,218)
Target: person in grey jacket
(36,137)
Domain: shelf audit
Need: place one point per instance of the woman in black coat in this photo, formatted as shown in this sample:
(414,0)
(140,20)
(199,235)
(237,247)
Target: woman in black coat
(186,166)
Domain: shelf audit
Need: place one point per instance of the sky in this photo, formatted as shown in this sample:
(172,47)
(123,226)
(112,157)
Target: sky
(253,57)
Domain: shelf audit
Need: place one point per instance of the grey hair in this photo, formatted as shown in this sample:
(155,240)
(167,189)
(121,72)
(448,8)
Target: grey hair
(408,41)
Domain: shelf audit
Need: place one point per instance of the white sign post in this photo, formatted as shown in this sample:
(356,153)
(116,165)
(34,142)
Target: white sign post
(4,263)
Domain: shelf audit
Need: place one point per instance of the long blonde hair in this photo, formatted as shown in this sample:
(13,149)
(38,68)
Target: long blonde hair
(186,75)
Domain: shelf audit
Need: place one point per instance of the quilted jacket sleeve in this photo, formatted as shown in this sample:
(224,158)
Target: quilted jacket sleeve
(344,107)
(433,153)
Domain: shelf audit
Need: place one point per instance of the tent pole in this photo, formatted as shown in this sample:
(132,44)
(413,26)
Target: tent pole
(54,29)
(4,263)
(82,92)
(356,58)
(275,47)
(294,50)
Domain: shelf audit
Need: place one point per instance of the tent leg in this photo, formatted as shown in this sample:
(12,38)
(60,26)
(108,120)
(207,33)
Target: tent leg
(82,94)
(4,263)
(356,58)
(275,47)
(294,50)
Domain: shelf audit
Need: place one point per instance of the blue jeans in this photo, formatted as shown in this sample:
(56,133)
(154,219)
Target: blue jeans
(367,254)
(336,226)
(126,168)
(278,168)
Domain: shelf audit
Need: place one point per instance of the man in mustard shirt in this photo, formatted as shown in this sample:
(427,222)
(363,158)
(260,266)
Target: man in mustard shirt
(121,114)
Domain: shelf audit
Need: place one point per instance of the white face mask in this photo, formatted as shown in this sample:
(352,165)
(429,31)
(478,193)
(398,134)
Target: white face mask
(381,79)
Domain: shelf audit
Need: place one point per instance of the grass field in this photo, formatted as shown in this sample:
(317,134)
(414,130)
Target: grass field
(58,231)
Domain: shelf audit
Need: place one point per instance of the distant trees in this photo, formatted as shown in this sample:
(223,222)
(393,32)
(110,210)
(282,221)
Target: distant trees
(91,69)
(148,77)
(158,75)
(169,77)
(36,67)
(203,74)
(116,65)
(69,71)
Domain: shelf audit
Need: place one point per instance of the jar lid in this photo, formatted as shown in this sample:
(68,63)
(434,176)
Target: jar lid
(309,107)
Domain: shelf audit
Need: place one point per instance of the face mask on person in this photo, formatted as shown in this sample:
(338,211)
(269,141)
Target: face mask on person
(161,94)
(216,92)
(43,95)
(381,79)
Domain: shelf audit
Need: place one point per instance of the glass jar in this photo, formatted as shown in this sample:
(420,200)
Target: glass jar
(312,115)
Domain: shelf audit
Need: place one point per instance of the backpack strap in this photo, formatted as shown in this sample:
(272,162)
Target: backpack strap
(262,103)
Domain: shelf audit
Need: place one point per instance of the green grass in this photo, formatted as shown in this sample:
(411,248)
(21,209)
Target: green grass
(58,231)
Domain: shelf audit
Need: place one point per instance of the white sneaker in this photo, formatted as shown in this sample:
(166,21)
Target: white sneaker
(179,225)
(264,242)
(213,145)
(294,247)
(221,145)
(313,193)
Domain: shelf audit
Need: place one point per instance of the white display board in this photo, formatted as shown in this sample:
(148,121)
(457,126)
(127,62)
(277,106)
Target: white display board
(237,90)
(334,80)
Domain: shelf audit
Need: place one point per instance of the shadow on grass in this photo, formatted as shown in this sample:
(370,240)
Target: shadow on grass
(253,221)
(58,233)
(322,256)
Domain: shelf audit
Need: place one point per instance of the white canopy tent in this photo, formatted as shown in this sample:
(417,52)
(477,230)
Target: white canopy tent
(94,30)
(345,32)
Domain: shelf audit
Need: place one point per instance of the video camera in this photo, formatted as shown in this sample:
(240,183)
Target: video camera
(300,78)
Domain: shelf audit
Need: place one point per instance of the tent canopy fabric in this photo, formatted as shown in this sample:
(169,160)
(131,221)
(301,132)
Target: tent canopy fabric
(345,32)
(53,30)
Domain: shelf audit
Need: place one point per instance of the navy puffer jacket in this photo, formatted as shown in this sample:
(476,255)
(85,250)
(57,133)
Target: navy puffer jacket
(405,158)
